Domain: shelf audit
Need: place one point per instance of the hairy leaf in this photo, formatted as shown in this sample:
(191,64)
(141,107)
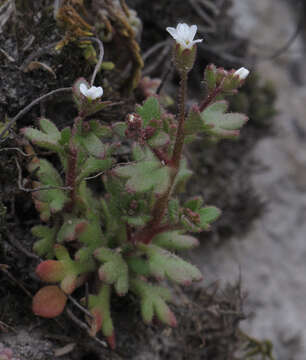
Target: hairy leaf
(163,264)
(114,270)
(149,110)
(223,125)
(173,240)
(153,302)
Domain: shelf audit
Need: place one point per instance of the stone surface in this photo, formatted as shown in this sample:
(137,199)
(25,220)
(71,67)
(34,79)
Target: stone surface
(271,257)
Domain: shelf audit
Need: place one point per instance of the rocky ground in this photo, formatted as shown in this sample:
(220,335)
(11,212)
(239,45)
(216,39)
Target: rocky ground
(271,257)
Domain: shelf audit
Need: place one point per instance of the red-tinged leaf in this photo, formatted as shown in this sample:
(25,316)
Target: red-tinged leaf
(68,284)
(112,341)
(50,271)
(96,322)
(49,302)
(71,229)
(164,314)
(225,125)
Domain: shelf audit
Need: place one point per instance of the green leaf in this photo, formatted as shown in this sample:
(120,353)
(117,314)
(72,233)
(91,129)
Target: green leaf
(182,177)
(138,265)
(49,128)
(194,123)
(93,165)
(174,210)
(145,176)
(65,136)
(194,204)
(223,125)
(114,270)
(153,302)
(208,215)
(163,264)
(210,77)
(99,306)
(119,128)
(46,173)
(48,138)
(99,130)
(93,144)
(149,110)
(159,139)
(71,229)
(137,221)
(173,240)
(40,139)
(55,199)
(47,236)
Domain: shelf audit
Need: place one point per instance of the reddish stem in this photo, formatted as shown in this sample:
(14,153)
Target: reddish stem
(179,141)
(153,227)
(211,97)
(71,174)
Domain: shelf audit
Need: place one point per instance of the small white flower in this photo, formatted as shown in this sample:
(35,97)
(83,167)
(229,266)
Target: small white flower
(92,92)
(242,73)
(184,34)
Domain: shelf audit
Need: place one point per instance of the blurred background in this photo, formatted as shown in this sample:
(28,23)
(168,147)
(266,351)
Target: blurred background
(271,256)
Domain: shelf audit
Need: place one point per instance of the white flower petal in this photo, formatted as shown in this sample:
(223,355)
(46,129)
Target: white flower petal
(184,34)
(172,31)
(192,31)
(99,91)
(242,73)
(92,93)
(83,89)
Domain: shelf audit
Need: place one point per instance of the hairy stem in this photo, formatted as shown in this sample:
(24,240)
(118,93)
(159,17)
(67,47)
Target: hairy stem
(71,174)
(160,207)
(211,97)
(179,141)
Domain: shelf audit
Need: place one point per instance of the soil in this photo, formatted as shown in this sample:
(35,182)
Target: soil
(209,317)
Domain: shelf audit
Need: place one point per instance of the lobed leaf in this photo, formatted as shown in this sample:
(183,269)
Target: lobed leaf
(99,306)
(47,236)
(93,165)
(149,110)
(163,264)
(145,176)
(222,125)
(46,172)
(153,302)
(173,240)
(208,214)
(114,270)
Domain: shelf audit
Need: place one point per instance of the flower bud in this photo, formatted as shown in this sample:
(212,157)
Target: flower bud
(242,73)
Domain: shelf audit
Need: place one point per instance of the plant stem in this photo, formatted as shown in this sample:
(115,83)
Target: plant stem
(179,141)
(71,174)
(211,97)
(154,227)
